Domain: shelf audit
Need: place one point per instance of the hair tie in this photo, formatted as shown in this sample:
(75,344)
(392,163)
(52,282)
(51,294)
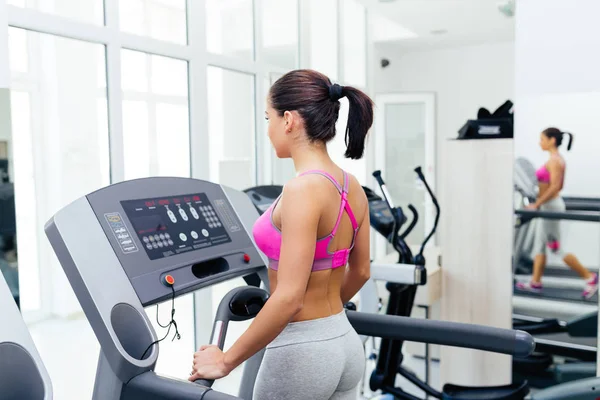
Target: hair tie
(335,92)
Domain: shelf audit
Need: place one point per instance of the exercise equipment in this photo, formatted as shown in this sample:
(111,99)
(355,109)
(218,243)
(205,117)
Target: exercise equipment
(141,242)
(585,389)
(22,373)
(526,187)
(574,340)
(496,125)
(387,220)
(263,196)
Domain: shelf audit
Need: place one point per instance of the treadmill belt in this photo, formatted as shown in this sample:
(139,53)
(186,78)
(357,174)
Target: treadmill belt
(563,272)
(562,294)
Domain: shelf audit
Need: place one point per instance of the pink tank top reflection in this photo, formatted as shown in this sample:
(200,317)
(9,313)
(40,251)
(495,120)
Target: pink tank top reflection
(543,175)
(268,237)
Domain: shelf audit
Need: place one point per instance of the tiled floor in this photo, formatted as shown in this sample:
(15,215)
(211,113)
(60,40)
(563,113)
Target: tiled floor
(70,352)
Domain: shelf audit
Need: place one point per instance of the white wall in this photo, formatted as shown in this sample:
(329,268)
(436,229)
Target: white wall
(462,78)
(558,84)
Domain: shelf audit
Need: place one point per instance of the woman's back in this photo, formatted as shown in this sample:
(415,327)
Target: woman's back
(323,292)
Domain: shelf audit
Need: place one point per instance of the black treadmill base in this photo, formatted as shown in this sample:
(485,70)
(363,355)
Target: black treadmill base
(516,391)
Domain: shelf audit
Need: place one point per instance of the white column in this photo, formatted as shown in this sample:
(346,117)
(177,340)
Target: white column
(476,227)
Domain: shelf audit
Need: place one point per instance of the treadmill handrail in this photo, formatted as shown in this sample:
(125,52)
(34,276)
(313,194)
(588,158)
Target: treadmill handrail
(470,336)
(589,216)
(150,385)
(580,205)
(579,198)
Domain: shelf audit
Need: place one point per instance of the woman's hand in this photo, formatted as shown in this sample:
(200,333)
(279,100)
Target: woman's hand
(532,206)
(209,363)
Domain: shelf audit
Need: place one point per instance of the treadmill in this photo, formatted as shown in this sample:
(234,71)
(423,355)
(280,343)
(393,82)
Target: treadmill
(22,373)
(526,187)
(142,242)
(524,218)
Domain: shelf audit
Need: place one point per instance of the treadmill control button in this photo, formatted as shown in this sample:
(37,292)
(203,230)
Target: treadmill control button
(194,213)
(183,214)
(246,258)
(194,234)
(168,280)
(205,232)
(183,237)
(171,215)
(167,236)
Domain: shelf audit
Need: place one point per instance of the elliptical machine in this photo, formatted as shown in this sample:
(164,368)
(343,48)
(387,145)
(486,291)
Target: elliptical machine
(401,300)
(401,296)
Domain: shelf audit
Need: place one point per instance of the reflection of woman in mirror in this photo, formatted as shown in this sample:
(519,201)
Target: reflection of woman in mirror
(551,178)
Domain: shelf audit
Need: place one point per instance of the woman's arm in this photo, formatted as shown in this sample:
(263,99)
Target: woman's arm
(359,264)
(300,215)
(556,178)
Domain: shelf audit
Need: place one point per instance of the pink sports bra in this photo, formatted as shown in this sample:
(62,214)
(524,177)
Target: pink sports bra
(268,237)
(543,175)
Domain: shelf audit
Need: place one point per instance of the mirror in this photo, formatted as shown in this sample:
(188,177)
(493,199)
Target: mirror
(556,255)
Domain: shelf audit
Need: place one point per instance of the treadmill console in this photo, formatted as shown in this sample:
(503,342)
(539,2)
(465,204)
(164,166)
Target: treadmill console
(173,225)
(194,232)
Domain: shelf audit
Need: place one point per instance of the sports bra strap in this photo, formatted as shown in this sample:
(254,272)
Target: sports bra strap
(326,175)
(344,204)
(351,216)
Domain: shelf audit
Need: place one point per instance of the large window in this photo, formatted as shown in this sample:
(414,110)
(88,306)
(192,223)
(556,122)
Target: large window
(230,28)
(280,33)
(155,115)
(354,24)
(60,146)
(90,11)
(158,19)
(231,118)
(324,42)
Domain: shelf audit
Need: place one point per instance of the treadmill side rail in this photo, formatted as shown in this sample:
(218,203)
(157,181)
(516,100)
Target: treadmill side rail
(584,389)
(150,386)
(479,337)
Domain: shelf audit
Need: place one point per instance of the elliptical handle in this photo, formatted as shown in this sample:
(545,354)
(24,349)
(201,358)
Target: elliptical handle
(414,221)
(421,176)
(386,194)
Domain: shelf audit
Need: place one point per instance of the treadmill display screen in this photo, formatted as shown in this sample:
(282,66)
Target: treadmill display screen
(172,225)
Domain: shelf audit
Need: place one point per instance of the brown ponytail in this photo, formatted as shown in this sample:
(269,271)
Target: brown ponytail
(317,101)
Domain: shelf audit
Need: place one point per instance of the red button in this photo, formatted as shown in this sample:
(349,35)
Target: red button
(246,258)
(169,280)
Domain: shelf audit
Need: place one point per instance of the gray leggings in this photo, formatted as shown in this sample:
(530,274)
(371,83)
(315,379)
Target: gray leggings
(547,231)
(319,359)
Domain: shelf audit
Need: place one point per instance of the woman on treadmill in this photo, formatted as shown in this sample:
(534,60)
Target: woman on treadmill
(316,236)
(551,178)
